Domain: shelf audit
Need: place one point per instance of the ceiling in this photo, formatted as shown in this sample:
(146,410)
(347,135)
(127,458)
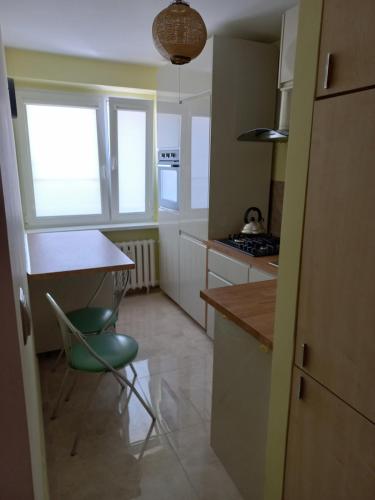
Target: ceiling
(121,29)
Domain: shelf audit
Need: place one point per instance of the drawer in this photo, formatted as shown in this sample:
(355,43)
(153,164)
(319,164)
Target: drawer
(225,267)
(257,275)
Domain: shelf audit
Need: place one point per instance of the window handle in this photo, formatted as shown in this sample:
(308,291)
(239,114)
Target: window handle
(113,164)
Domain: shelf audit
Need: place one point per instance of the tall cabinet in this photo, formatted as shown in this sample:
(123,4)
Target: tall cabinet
(230,88)
(331,438)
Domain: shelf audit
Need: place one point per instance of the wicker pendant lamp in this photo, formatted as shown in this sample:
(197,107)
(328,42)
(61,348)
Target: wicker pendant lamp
(179,33)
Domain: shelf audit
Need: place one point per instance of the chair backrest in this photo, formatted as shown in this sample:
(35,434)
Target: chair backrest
(68,331)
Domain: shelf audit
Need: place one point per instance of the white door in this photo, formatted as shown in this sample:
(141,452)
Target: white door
(214,281)
(192,277)
(195,174)
(21,416)
(169,258)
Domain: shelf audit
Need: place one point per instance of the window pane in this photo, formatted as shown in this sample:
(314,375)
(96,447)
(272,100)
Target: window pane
(64,159)
(131,127)
(200,157)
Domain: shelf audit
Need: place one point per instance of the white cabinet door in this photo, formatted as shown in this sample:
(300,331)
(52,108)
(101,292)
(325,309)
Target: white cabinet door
(257,275)
(231,270)
(288,47)
(169,259)
(214,281)
(192,277)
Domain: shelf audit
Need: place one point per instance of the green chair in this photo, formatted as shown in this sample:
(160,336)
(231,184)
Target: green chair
(91,320)
(97,354)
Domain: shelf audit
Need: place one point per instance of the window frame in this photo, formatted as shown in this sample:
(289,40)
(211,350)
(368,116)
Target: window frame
(106,138)
(115,104)
(25,97)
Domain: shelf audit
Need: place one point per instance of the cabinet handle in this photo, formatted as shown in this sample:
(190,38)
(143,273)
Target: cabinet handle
(303,354)
(327,70)
(301,387)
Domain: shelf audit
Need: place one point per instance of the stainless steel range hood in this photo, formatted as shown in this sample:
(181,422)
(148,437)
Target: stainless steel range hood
(279,134)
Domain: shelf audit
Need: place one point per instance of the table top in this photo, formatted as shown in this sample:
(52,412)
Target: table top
(73,252)
(251,306)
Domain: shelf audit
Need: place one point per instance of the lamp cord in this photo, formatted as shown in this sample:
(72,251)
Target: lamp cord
(179,85)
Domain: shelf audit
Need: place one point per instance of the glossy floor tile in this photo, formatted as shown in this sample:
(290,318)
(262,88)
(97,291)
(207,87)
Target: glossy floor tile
(120,455)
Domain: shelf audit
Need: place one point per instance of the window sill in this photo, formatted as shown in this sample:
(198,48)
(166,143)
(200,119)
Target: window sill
(105,228)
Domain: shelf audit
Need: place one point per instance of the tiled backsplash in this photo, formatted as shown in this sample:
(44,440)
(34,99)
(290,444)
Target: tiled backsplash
(276,207)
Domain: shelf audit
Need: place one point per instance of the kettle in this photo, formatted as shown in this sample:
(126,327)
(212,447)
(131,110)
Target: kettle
(251,225)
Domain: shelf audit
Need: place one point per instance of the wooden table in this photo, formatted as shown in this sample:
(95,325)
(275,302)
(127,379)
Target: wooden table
(69,265)
(73,252)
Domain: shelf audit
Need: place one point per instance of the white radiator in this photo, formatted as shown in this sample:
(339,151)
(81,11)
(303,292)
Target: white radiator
(143,254)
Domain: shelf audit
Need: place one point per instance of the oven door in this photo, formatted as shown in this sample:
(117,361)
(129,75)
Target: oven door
(169,187)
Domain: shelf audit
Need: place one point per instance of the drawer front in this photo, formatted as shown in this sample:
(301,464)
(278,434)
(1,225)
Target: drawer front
(257,275)
(213,282)
(231,270)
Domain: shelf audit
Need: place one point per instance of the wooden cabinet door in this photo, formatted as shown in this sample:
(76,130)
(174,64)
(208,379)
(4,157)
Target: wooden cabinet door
(347,55)
(331,447)
(336,311)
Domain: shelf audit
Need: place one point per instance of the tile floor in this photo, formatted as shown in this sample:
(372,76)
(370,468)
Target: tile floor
(115,461)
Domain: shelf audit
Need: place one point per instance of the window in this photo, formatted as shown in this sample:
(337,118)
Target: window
(84,159)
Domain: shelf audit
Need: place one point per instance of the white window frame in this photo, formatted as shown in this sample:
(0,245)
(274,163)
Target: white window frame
(107,150)
(115,104)
(25,97)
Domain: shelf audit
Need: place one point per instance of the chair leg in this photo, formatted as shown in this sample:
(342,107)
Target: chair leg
(74,383)
(134,371)
(60,394)
(138,395)
(81,422)
(57,361)
(123,386)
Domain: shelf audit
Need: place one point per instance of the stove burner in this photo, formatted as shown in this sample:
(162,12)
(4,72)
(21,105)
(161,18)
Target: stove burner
(255,245)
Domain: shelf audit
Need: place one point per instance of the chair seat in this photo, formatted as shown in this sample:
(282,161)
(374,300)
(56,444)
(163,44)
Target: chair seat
(117,350)
(91,319)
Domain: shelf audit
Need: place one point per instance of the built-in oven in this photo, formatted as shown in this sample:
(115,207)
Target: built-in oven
(169,178)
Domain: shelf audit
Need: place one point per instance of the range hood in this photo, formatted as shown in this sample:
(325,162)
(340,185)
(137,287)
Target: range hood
(268,134)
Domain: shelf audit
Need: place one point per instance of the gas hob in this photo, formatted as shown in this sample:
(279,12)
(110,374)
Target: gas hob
(257,245)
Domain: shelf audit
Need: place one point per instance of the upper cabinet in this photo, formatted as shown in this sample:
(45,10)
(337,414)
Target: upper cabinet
(288,44)
(347,56)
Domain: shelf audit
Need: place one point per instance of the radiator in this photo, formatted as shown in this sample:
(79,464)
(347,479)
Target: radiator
(143,254)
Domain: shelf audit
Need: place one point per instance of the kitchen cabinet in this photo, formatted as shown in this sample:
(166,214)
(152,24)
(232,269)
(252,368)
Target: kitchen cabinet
(336,313)
(330,447)
(221,97)
(169,257)
(257,275)
(288,44)
(231,270)
(192,277)
(347,56)
(213,281)
(226,271)
(241,385)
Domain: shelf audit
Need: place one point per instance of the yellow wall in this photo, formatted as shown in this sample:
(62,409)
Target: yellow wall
(45,67)
(291,236)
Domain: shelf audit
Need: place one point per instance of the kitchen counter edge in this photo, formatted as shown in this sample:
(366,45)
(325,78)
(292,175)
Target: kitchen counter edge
(251,306)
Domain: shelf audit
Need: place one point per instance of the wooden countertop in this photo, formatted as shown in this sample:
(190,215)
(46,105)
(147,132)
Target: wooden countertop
(73,252)
(251,306)
(262,263)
